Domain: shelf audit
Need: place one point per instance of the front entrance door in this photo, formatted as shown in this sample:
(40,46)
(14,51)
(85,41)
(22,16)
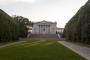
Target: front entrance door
(44,29)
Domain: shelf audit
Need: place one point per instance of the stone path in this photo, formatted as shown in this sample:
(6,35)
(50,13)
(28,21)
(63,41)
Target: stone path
(9,44)
(81,50)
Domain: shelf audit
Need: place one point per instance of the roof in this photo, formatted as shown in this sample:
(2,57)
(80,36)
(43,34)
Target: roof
(60,28)
(47,22)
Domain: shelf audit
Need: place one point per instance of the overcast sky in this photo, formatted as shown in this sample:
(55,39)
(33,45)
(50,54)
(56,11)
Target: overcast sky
(59,11)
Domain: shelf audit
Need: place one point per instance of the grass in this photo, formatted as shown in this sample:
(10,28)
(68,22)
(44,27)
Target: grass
(38,50)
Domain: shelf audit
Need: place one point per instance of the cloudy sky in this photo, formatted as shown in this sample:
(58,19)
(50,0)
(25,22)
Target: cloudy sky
(59,11)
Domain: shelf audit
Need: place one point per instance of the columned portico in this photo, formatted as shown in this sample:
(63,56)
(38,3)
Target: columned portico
(44,27)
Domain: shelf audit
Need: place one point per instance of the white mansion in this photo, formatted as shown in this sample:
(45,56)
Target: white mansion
(44,27)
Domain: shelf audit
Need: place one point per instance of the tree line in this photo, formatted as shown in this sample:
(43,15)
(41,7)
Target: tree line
(78,27)
(12,28)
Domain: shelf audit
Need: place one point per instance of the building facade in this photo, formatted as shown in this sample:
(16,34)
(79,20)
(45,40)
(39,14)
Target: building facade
(60,30)
(44,27)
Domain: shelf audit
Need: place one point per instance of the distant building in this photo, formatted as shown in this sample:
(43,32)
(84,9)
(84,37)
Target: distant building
(60,30)
(44,27)
(29,28)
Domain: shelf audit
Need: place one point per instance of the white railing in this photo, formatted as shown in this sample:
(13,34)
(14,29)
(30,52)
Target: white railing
(59,36)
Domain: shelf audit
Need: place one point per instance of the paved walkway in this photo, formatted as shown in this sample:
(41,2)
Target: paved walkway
(9,44)
(81,50)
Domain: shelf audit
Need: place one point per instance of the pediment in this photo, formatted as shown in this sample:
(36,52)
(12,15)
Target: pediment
(45,22)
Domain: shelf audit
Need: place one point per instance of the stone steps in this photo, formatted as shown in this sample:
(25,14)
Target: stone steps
(44,36)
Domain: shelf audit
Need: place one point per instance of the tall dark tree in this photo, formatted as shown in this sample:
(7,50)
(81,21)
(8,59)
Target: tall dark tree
(11,28)
(22,23)
(78,28)
(8,27)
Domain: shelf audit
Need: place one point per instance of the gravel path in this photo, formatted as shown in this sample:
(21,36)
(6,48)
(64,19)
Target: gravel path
(81,50)
(9,44)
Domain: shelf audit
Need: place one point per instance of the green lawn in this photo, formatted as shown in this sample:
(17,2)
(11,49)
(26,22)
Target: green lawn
(38,50)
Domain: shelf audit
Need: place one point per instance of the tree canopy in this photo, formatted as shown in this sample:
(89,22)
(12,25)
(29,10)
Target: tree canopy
(78,27)
(11,28)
